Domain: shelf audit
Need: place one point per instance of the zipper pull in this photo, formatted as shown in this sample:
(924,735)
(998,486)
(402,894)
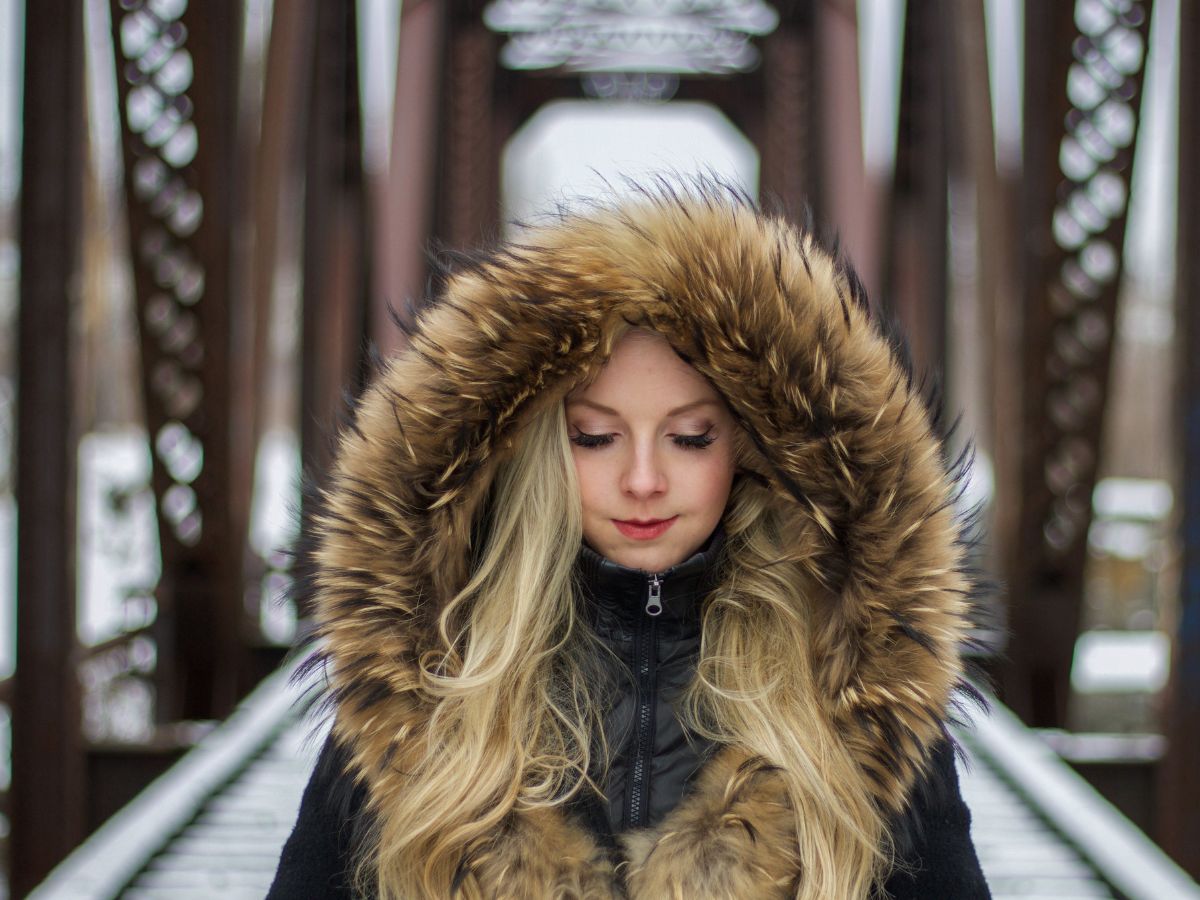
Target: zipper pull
(654,597)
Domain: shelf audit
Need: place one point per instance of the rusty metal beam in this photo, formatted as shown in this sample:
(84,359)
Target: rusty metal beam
(1077,156)
(178,83)
(999,303)
(786,153)
(996,338)
(334,231)
(845,201)
(916,289)
(1179,793)
(406,207)
(1033,678)
(470,201)
(47,793)
(279,158)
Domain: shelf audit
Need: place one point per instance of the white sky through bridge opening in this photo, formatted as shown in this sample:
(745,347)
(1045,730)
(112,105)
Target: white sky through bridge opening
(579,149)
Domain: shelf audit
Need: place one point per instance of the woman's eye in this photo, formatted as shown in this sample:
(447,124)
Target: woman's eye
(583,439)
(693,441)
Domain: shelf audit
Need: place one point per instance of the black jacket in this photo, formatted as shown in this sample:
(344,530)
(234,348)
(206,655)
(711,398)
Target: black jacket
(652,758)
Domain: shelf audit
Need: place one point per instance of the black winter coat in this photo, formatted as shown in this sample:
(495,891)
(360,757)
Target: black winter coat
(653,759)
(843,486)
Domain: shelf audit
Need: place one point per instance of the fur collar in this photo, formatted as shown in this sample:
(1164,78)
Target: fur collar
(784,334)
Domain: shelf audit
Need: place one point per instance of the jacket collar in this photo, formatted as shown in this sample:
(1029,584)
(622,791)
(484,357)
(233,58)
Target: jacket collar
(617,594)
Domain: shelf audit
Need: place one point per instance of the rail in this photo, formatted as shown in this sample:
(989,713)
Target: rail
(117,851)
(1118,850)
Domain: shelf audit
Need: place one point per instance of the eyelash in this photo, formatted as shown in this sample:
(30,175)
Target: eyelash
(694,441)
(583,439)
(686,441)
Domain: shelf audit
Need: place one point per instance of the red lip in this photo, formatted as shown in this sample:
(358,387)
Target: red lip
(643,529)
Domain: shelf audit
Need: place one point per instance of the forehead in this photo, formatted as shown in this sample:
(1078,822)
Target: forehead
(642,372)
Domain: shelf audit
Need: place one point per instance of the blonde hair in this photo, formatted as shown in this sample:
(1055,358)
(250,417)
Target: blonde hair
(755,687)
(513,719)
(518,716)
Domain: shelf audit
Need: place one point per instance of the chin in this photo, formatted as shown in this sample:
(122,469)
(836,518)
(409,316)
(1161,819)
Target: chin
(653,559)
(649,561)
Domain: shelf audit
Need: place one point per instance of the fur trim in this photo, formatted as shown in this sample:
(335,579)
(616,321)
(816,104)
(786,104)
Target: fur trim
(733,839)
(784,334)
(538,856)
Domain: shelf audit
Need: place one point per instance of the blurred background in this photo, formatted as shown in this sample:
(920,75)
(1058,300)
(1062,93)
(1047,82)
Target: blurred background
(208,212)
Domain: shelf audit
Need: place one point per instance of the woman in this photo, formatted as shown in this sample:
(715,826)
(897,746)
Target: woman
(637,576)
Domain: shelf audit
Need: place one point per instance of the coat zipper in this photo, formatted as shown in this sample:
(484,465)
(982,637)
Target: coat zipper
(654,597)
(637,796)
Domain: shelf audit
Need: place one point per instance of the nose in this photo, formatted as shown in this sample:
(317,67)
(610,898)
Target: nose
(644,477)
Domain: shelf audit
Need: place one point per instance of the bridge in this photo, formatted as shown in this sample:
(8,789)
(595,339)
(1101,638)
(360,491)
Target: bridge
(218,819)
(223,204)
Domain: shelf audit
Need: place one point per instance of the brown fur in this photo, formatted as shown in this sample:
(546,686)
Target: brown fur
(845,443)
(539,856)
(734,838)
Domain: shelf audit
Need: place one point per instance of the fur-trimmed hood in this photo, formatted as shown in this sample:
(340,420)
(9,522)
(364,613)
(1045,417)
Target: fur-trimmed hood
(784,334)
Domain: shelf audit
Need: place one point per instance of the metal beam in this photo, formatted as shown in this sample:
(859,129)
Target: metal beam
(1079,146)
(786,145)
(1179,794)
(470,203)
(845,201)
(917,264)
(278,168)
(178,88)
(406,208)
(334,231)
(995,344)
(47,793)
(996,190)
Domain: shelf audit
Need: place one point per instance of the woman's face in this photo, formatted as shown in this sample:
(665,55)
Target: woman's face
(653,448)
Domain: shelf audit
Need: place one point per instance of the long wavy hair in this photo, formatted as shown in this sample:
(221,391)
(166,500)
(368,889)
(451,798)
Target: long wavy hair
(518,711)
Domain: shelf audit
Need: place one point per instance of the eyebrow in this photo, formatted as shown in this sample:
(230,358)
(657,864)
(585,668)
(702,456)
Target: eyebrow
(679,410)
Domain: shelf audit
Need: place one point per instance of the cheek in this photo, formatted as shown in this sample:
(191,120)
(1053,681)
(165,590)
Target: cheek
(709,484)
(591,474)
